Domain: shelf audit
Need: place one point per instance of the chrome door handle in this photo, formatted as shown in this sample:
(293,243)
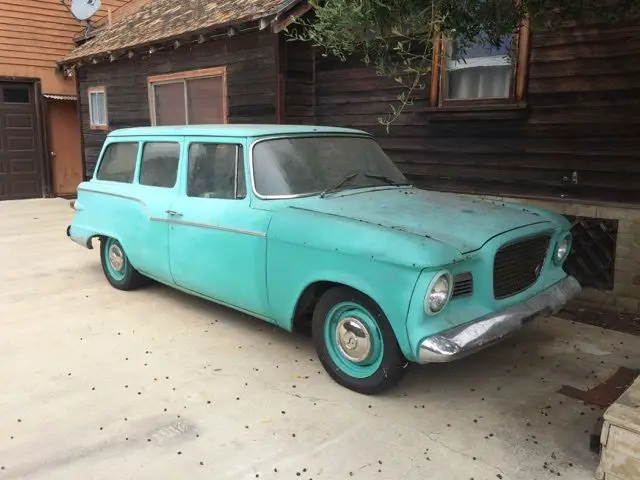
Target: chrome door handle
(173,213)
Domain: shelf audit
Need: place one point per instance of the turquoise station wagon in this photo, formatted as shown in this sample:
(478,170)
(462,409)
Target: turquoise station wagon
(315,229)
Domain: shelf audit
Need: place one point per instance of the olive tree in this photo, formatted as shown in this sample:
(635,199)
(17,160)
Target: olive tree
(396,36)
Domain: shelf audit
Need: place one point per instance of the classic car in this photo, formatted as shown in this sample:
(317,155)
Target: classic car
(315,230)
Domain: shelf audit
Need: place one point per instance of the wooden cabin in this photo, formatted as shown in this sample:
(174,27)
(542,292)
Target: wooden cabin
(559,128)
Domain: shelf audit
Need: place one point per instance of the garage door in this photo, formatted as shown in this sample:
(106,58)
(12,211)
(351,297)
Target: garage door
(20,159)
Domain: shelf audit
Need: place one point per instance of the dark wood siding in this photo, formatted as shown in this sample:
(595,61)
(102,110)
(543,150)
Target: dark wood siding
(299,91)
(251,84)
(583,116)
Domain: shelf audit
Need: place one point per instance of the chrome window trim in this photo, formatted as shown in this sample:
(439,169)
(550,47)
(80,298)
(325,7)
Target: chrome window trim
(284,137)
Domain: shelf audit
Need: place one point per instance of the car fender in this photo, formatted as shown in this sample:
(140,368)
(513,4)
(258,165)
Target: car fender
(305,247)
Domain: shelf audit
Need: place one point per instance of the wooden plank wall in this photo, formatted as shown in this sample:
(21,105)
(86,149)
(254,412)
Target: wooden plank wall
(38,33)
(251,84)
(583,116)
(299,83)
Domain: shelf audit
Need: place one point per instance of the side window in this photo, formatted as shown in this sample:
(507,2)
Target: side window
(159,167)
(118,162)
(216,170)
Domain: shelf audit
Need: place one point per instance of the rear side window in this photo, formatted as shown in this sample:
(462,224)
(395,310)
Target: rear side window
(159,166)
(119,162)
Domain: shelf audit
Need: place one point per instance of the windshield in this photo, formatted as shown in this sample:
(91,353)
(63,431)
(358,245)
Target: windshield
(308,165)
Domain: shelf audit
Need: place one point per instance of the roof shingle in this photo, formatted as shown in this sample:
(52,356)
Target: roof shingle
(144,22)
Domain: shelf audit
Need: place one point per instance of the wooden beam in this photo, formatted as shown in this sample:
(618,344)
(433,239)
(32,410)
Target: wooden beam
(300,10)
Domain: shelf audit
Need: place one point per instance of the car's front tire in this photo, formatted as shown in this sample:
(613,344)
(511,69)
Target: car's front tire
(116,266)
(355,342)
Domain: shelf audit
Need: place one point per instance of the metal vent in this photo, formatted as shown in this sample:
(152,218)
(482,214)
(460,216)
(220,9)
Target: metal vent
(593,256)
(518,265)
(462,285)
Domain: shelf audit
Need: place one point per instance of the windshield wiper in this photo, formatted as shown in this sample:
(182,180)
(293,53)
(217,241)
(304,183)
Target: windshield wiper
(339,184)
(387,180)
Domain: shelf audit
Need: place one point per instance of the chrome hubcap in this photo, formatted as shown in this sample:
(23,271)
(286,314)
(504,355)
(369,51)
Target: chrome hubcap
(116,258)
(353,339)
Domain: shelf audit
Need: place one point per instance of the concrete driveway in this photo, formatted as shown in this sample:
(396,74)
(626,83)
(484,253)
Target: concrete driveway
(101,384)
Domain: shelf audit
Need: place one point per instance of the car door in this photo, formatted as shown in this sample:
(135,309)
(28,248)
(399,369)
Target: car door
(157,188)
(217,242)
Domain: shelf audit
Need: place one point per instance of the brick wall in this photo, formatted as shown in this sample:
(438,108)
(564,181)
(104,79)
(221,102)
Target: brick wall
(625,295)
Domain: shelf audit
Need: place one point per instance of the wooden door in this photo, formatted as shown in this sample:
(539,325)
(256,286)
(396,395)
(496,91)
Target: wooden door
(20,155)
(64,142)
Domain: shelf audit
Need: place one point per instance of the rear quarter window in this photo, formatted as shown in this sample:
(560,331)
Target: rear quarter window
(119,162)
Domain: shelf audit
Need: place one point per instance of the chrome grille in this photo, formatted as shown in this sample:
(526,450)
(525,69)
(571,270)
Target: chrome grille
(518,265)
(462,285)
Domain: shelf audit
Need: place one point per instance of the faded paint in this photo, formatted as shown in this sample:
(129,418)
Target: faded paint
(441,216)
(388,243)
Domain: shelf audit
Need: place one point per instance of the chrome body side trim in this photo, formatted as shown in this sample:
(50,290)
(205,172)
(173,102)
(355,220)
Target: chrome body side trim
(485,331)
(211,227)
(111,194)
(180,222)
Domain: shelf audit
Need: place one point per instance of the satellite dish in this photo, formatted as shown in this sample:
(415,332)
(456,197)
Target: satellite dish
(84,9)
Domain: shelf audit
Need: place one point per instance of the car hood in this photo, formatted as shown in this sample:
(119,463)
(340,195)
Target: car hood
(462,222)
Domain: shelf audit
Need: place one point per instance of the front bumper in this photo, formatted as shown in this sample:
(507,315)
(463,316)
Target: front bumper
(485,331)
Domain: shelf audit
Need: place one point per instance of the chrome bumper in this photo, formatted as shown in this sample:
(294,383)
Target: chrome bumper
(472,337)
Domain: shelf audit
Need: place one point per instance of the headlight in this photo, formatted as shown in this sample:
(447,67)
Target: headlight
(438,293)
(562,250)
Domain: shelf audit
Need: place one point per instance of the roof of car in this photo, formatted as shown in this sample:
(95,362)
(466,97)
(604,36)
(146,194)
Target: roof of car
(238,130)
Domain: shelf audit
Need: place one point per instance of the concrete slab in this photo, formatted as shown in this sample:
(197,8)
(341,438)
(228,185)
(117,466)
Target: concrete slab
(103,384)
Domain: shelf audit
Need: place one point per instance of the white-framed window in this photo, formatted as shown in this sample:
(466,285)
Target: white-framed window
(189,98)
(98,117)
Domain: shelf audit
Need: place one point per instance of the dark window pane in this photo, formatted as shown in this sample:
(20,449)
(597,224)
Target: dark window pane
(118,162)
(212,171)
(159,166)
(169,104)
(206,100)
(15,94)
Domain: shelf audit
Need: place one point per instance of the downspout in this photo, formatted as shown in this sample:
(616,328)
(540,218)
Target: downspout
(80,125)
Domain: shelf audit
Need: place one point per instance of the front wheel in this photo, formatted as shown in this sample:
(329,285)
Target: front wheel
(116,266)
(355,342)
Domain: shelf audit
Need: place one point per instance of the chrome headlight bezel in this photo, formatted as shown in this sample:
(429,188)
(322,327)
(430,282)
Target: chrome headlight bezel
(443,274)
(562,250)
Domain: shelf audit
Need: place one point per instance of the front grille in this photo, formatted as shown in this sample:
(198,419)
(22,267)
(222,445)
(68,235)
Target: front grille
(462,285)
(518,265)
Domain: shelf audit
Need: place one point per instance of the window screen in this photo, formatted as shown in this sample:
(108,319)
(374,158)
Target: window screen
(195,98)
(205,100)
(216,171)
(98,108)
(479,71)
(169,103)
(159,166)
(118,162)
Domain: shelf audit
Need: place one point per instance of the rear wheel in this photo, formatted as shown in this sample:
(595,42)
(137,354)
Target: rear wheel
(355,342)
(116,266)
